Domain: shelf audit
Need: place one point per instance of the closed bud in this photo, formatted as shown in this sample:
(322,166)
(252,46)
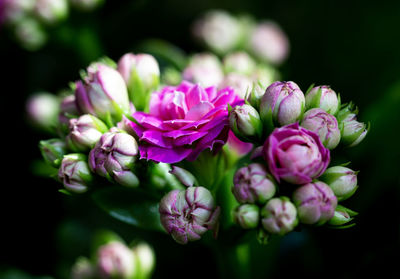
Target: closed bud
(342,216)
(269,43)
(252,184)
(245,122)
(53,150)
(239,62)
(30,34)
(84,132)
(279,216)
(42,111)
(51,11)
(324,125)
(145,259)
(74,173)
(113,157)
(204,69)
(284,102)
(315,203)
(247,216)
(218,30)
(103,94)
(352,131)
(184,176)
(187,214)
(68,110)
(115,260)
(142,75)
(342,180)
(323,97)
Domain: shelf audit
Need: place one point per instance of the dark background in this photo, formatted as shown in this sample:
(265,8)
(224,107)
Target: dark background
(351,45)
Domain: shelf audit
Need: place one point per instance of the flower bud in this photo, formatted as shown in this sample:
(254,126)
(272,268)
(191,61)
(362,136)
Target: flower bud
(247,216)
(218,30)
(84,132)
(241,84)
(115,260)
(68,110)
(352,131)
(188,214)
(253,184)
(74,172)
(145,259)
(51,11)
(142,75)
(245,122)
(185,177)
(324,124)
(82,269)
(113,157)
(269,43)
(279,216)
(284,102)
(12,11)
(342,216)
(323,97)
(103,93)
(239,62)
(53,150)
(30,34)
(315,203)
(342,180)
(42,111)
(205,69)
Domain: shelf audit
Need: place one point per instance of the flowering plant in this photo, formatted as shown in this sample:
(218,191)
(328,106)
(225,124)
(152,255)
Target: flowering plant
(215,145)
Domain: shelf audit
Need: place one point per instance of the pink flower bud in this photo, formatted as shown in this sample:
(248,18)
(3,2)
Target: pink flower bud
(323,97)
(188,214)
(324,124)
(204,69)
(74,172)
(247,216)
(342,180)
(279,216)
(252,184)
(284,102)
(315,202)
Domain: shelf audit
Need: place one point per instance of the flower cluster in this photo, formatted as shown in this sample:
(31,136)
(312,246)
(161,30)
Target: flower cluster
(288,181)
(29,20)
(112,258)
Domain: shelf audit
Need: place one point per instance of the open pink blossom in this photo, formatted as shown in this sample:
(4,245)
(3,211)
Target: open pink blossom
(183,121)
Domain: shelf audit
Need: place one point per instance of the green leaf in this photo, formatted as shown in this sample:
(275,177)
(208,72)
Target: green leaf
(131,206)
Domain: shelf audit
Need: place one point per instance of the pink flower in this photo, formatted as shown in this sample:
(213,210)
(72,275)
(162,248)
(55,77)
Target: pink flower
(183,121)
(295,154)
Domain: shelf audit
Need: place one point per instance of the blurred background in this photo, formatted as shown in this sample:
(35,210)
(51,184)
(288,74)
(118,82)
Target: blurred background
(350,45)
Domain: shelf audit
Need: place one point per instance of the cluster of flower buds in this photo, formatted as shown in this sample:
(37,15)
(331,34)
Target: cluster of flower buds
(29,19)
(112,258)
(289,181)
(95,136)
(223,33)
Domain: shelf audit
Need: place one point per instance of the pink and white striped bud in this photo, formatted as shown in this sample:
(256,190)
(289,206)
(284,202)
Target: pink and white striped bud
(142,75)
(74,173)
(323,97)
(324,125)
(113,157)
(279,216)
(284,102)
(269,43)
(103,93)
(84,132)
(315,202)
(342,180)
(187,214)
(252,184)
(115,260)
